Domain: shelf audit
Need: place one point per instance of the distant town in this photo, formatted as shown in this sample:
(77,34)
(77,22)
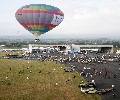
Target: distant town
(21,42)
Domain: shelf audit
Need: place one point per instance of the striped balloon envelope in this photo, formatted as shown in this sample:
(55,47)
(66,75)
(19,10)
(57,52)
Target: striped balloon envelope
(39,18)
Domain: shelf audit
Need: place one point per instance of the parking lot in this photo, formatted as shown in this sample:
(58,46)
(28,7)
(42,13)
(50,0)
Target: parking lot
(104,74)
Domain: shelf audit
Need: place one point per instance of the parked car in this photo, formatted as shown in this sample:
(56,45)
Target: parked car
(89,84)
(90,90)
(101,91)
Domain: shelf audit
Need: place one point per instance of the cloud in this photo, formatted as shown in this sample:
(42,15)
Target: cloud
(89,17)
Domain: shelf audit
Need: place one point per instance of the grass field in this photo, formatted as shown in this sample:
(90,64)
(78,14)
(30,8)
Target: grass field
(14,84)
(12,53)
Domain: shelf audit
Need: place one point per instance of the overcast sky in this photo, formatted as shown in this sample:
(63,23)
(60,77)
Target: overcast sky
(82,18)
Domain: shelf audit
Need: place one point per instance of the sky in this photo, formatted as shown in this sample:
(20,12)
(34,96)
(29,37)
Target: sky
(82,18)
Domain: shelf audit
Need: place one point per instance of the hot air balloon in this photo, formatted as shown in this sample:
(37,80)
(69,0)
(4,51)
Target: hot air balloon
(39,18)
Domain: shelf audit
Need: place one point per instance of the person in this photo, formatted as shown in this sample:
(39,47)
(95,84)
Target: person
(27,78)
(68,79)
(113,95)
(114,75)
(56,84)
(6,77)
(74,76)
(113,86)
(40,72)
(93,81)
(2,81)
(91,75)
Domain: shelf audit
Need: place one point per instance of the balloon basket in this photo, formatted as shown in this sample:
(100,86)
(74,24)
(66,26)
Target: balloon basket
(37,40)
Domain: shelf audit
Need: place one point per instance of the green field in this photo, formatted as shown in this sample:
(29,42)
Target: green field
(11,53)
(39,86)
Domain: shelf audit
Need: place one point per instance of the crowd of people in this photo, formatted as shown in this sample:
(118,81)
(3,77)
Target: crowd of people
(103,68)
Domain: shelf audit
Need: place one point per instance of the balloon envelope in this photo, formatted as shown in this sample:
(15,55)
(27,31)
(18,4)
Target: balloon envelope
(39,18)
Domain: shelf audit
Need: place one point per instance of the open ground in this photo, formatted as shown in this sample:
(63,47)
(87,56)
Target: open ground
(36,80)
